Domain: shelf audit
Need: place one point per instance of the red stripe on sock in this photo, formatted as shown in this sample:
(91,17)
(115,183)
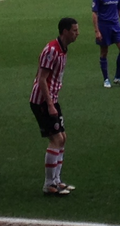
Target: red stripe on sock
(52,152)
(60,162)
(51,165)
(61,151)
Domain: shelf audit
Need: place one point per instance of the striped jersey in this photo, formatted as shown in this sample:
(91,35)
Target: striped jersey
(53,57)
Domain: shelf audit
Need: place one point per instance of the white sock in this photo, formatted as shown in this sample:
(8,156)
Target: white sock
(51,161)
(59,166)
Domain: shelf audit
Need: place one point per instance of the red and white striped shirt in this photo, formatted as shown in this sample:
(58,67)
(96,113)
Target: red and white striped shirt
(53,57)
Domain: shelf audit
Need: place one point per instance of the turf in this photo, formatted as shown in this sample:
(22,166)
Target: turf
(91,117)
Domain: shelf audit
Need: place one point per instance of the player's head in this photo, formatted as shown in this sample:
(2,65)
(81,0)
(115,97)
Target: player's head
(68,27)
(66,23)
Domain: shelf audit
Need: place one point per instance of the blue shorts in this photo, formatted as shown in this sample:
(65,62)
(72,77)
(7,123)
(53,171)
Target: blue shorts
(110,34)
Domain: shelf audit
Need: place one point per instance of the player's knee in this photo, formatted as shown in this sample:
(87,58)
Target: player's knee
(61,140)
(118,45)
(57,140)
(104,52)
(64,138)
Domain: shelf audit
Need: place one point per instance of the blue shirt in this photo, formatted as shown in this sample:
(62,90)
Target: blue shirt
(107,10)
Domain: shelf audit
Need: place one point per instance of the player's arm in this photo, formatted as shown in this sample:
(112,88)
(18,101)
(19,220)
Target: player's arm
(95,21)
(42,75)
(119,13)
(119,8)
(95,24)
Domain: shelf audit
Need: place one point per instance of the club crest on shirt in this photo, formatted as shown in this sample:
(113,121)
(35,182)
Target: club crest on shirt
(49,57)
(93,4)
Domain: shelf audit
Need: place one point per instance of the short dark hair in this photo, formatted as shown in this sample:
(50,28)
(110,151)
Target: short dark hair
(66,23)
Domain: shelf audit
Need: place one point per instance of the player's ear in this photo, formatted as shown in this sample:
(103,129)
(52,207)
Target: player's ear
(65,32)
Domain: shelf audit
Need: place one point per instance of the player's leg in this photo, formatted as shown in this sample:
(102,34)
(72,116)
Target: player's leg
(106,33)
(117,74)
(49,125)
(53,166)
(60,159)
(62,147)
(116,40)
(56,142)
(53,153)
(58,180)
(104,65)
(52,158)
(59,143)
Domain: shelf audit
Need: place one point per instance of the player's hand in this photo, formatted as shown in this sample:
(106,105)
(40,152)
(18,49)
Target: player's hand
(98,36)
(52,111)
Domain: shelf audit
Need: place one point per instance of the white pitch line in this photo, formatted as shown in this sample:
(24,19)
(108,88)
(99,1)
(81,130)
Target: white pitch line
(32,222)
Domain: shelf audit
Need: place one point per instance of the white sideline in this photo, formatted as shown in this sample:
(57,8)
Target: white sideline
(32,222)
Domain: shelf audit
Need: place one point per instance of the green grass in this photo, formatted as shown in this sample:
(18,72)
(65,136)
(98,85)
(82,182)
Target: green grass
(91,117)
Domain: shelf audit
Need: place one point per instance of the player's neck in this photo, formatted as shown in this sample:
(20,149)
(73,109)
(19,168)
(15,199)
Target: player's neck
(64,43)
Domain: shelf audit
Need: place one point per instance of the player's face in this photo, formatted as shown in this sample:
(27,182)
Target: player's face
(73,33)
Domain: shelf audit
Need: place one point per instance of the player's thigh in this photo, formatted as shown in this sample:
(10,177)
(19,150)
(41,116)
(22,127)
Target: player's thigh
(50,123)
(36,111)
(118,45)
(56,140)
(60,117)
(116,34)
(43,118)
(106,33)
(64,137)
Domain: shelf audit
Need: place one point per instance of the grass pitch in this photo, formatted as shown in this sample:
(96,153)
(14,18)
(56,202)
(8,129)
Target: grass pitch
(91,115)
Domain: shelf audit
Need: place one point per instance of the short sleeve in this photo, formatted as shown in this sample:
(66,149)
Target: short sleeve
(95,6)
(119,5)
(48,57)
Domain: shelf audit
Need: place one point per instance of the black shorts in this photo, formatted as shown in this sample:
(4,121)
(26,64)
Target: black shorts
(49,125)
